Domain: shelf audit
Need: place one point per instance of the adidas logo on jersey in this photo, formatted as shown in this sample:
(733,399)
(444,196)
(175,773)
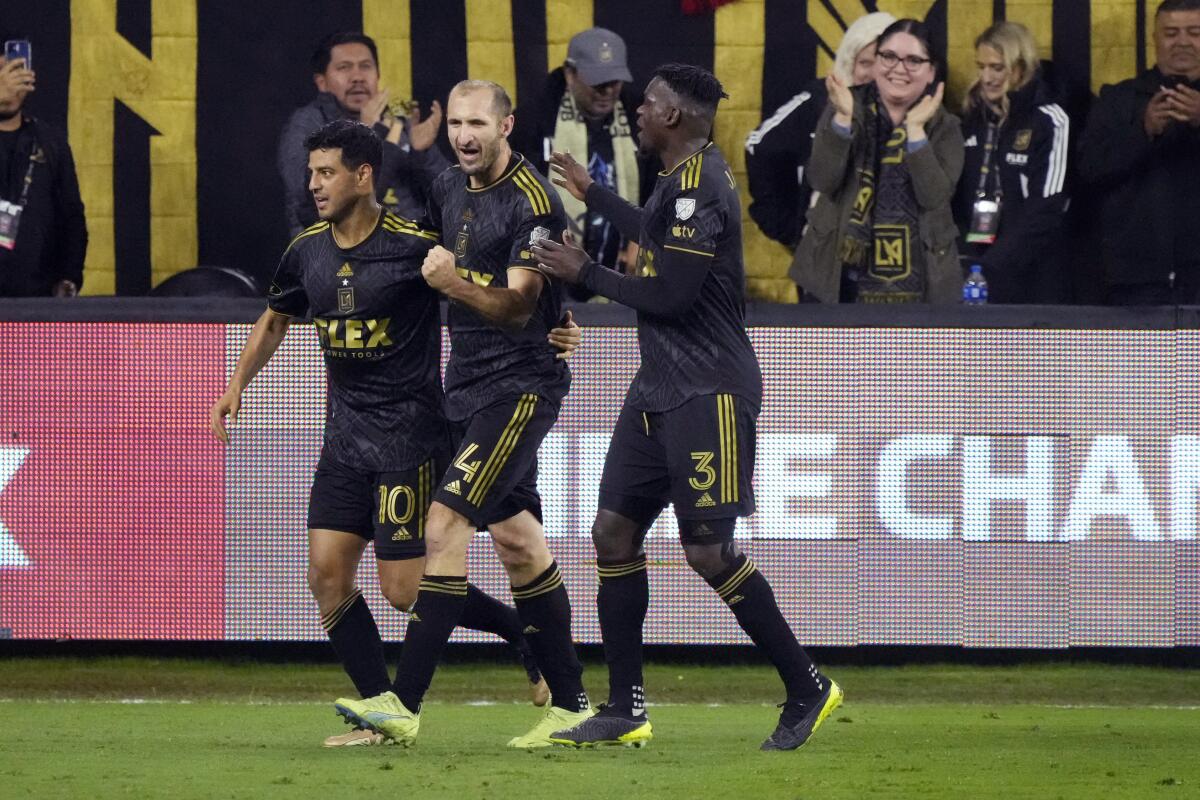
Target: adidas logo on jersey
(454,487)
(413,617)
(402,535)
(345,271)
(529,630)
(705,501)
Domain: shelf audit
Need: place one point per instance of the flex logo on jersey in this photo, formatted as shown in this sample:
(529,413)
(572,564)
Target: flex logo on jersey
(477,278)
(353,334)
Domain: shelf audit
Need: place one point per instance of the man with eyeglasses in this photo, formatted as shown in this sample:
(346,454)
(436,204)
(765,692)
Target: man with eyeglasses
(584,109)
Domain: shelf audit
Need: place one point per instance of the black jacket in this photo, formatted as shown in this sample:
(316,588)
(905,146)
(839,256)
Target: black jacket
(1149,188)
(777,153)
(533,129)
(1030,162)
(404,179)
(52,238)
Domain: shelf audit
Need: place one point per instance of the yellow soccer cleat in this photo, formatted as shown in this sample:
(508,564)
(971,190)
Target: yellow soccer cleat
(555,719)
(359,737)
(383,713)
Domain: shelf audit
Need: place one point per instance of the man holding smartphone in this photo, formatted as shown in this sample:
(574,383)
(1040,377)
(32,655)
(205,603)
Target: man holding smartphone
(43,234)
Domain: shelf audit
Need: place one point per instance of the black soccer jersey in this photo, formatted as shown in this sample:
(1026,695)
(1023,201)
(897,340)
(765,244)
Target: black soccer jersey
(377,321)
(490,231)
(695,209)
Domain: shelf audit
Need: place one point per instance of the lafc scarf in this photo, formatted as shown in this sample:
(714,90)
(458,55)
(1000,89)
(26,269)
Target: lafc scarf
(882,243)
(570,136)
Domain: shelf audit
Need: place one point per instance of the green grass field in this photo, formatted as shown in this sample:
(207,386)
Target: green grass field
(175,728)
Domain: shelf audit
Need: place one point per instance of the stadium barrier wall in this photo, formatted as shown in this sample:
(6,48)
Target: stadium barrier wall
(998,477)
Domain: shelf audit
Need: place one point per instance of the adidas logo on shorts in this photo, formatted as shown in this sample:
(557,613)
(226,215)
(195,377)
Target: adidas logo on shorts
(402,535)
(705,501)
(454,487)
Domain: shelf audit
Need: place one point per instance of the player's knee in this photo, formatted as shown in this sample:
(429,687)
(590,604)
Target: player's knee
(328,585)
(515,552)
(613,542)
(401,596)
(710,560)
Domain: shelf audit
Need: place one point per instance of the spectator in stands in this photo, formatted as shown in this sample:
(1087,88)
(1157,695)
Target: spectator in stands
(584,109)
(1141,154)
(346,72)
(1011,202)
(886,160)
(43,234)
(777,150)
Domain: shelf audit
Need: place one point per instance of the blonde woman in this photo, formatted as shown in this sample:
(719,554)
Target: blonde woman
(1011,198)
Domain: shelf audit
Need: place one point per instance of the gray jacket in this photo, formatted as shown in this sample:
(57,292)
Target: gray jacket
(403,181)
(934,168)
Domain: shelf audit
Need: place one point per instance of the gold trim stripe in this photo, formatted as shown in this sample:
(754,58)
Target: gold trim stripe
(739,577)
(621,570)
(330,620)
(309,231)
(686,250)
(534,191)
(690,178)
(727,424)
(424,484)
(548,585)
(455,588)
(411,230)
(504,447)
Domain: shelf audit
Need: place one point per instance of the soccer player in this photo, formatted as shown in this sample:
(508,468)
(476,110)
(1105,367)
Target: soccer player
(503,390)
(686,432)
(358,271)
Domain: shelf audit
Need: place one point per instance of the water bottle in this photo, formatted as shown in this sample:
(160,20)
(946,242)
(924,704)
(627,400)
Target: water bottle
(975,287)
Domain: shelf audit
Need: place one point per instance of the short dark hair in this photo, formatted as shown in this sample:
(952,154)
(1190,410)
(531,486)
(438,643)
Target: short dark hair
(914,27)
(1166,6)
(324,52)
(358,143)
(693,83)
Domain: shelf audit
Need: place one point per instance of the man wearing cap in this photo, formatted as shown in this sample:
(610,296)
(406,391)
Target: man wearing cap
(585,109)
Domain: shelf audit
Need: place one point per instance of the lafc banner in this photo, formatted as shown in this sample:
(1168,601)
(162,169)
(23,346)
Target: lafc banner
(988,488)
(174,107)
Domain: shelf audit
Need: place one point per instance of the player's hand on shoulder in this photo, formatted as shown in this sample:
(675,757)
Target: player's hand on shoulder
(570,174)
(563,261)
(438,269)
(567,337)
(229,404)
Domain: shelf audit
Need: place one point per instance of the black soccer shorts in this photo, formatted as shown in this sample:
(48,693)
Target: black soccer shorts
(387,508)
(494,472)
(699,456)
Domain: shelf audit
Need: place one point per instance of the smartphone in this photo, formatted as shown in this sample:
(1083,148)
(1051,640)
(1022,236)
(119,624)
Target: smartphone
(19,48)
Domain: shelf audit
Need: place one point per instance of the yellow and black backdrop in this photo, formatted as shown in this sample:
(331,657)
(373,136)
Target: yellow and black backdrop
(174,107)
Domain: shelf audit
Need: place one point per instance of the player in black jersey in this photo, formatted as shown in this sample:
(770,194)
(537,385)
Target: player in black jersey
(686,432)
(503,390)
(358,272)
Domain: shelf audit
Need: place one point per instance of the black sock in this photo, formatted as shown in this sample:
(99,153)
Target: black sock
(621,602)
(482,612)
(545,611)
(356,640)
(749,596)
(434,616)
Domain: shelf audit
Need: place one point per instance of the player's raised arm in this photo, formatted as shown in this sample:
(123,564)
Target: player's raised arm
(264,340)
(574,177)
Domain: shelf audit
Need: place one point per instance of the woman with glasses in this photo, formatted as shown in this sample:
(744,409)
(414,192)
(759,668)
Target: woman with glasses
(886,159)
(1011,201)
